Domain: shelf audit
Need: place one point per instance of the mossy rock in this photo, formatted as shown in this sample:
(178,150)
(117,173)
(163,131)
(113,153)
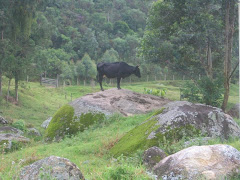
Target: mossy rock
(64,122)
(138,138)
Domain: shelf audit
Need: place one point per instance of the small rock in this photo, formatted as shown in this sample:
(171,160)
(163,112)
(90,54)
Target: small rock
(234,111)
(46,123)
(152,156)
(200,162)
(3,120)
(52,167)
(33,132)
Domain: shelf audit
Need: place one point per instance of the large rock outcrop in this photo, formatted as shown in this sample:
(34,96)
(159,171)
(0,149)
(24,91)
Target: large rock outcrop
(179,119)
(121,101)
(52,167)
(212,121)
(200,162)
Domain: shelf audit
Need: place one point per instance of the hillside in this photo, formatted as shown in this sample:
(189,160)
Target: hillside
(89,150)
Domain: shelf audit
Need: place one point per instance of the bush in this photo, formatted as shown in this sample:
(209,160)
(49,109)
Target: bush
(211,90)
(155,92)
(205,91)
(20,124)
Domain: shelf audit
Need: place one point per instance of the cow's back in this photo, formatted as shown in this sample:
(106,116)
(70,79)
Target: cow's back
(112,70)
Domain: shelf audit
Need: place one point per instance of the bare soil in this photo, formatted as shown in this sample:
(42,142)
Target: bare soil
(121,101)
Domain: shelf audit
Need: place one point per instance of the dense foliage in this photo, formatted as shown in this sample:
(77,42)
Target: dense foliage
(67,37)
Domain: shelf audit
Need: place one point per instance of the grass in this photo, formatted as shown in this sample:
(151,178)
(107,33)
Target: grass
(89,150)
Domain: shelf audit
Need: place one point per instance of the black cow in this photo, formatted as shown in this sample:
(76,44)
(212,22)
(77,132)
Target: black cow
(116,70)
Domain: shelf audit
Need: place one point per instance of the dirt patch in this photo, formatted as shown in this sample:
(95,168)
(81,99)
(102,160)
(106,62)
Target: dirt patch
(122,101)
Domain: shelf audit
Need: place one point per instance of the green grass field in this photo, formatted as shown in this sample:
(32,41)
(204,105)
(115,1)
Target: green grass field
(89,150)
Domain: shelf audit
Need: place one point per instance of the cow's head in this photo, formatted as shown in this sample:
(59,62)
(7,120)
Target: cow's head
(137,71)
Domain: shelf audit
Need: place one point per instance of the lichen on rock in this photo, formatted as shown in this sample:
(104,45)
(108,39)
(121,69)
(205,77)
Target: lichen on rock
(200,162)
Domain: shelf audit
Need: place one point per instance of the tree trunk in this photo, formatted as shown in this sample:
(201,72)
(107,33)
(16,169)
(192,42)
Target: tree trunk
(16,87)
(77,81)
(8,92)
(229,31)
(209,60)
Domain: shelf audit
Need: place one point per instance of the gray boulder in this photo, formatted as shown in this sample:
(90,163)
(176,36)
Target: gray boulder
(46,123)
(211,121)
(125,102)
(152,156)
(7,139)
(3,120)
(234,111)
(9,129)
(51,167)
(200,162)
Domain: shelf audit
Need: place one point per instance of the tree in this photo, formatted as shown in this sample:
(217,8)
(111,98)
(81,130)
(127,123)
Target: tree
(189,36)
(90,70)
(110,56)
(80,70)
(230,16)
(185,35)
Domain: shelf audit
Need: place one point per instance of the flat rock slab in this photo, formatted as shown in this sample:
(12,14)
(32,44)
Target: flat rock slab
(52,167)
(9,129)
(15,137)
(121,101)
(200,162)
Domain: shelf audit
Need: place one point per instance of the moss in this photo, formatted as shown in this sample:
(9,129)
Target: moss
(88,119)
(61,124)
(173,135)
(65,123)
(137,138)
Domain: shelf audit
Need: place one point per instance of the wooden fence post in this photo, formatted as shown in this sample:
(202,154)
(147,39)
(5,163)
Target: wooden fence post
(41,79)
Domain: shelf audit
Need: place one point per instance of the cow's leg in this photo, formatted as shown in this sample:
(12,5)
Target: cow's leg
(100,81)
(118,82)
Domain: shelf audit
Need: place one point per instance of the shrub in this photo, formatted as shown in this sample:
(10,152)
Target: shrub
(211,90)
(205,91)
(155,92)
(20,124)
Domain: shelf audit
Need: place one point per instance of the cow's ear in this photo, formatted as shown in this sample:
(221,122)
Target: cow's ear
(137,66)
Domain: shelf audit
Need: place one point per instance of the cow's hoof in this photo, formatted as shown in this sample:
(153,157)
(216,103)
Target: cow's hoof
(119,88)
(102,89)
